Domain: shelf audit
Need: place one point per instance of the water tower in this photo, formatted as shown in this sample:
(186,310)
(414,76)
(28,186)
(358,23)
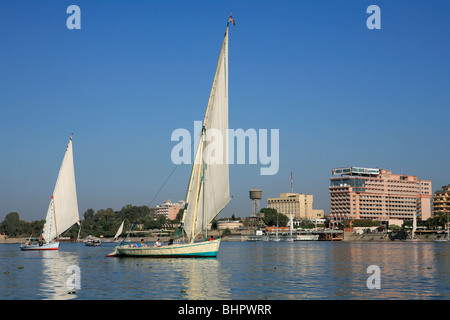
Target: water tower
(256,219)
(256,196)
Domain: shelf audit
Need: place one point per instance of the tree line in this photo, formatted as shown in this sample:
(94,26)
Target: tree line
(104,222)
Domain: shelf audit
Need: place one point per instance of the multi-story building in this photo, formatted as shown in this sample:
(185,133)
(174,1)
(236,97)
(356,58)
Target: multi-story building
(169,209)
(377,194)
(441,200)
(297,204)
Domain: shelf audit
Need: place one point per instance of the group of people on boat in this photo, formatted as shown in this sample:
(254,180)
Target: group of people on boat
(38,242)
(157,243)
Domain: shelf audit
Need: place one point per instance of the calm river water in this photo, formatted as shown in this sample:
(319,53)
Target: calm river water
(242,271)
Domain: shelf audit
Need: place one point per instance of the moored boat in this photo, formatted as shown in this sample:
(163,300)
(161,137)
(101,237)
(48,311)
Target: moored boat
(92,241)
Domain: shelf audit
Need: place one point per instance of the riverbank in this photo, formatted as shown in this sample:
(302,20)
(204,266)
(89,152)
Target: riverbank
(423,236)
(147,238)
(390,237)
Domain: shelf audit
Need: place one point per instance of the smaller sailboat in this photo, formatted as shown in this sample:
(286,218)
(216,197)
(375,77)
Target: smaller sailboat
(413,237)
(62,211)
(119,232)
(291,228)
(277,238)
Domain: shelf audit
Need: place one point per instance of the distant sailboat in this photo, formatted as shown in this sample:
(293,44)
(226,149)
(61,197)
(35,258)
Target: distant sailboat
(119,232)
(62,211)
(291,227)
(413,238)
(209,187)
(277,238)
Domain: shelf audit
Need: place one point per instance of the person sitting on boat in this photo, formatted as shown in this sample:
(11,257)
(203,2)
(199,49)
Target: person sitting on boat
(158,243)
(211,238)
(170,242)
(142,244)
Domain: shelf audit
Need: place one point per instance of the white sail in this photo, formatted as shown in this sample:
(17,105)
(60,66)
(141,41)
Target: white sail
(119,231)
(414,226)
(209,187)
(62,211)
(291,224)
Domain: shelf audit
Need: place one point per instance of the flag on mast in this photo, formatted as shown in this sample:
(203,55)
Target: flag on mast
(231,20)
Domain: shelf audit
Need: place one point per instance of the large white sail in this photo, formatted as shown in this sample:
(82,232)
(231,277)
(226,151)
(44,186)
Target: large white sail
(62,211)
(209,187)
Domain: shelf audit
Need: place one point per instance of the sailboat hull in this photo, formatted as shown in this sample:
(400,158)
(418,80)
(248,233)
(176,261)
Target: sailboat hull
(36,247)
(203,249)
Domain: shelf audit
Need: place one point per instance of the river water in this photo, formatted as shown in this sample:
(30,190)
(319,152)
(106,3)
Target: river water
(242,271)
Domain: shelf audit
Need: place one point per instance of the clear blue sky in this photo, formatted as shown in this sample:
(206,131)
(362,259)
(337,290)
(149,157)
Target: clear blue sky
(340,94)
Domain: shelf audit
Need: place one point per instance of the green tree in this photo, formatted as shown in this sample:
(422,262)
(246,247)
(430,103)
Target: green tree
(306,224)
(179,215)
(89,214)
(214,224)
(12,225)
(226,232)
(271,215)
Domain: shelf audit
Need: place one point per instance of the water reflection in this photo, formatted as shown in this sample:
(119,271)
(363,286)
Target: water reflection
(408,270)
(54,275)
(171,278)
(242,270)
(325,270)
(270,270)
(203,279)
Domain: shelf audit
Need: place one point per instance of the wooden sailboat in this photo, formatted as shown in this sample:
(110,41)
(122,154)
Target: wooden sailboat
(62,211)
(277,238)
(291,228)
(209,188)
(413,238)
(119,232)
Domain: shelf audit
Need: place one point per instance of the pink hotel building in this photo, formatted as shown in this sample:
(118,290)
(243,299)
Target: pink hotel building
(377,194)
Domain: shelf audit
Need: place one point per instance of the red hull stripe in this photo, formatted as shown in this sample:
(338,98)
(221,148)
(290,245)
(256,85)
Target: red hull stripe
(39,249)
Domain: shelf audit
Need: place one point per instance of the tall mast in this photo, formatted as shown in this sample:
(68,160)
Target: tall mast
(196,187)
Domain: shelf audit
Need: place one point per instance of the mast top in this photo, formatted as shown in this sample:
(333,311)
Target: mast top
(230,19)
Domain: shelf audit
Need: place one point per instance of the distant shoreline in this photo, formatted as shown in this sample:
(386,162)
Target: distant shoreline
(241,238)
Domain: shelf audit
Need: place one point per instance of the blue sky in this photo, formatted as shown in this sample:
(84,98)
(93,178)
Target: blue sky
(340,94)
